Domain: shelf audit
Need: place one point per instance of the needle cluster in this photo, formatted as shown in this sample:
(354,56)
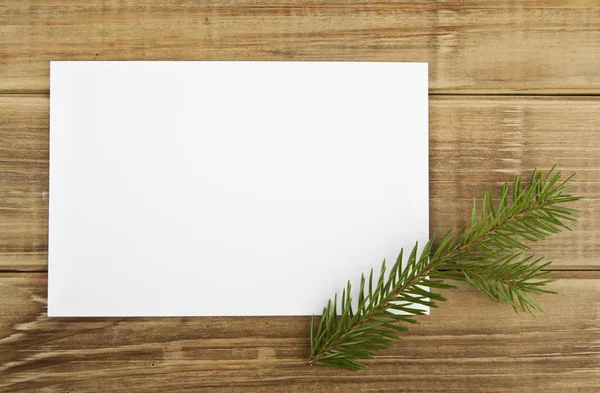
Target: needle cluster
(490,254)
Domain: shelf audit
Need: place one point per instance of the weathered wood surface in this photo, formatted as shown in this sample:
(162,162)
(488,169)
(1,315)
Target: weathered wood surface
(478,47)
(475,143)
(473,46)
(469,344)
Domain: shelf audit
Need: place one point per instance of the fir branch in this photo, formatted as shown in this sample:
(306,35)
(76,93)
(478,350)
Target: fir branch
(488,254)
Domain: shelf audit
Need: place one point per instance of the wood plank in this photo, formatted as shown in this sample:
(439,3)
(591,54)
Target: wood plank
(468,344)
(23,183)
(475,46)
(479,142)
(475,143)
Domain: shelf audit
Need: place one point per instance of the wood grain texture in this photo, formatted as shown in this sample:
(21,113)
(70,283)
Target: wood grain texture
(23,183)
(479,142)
(475,143)
(474,46)
(532,47)
(469,344)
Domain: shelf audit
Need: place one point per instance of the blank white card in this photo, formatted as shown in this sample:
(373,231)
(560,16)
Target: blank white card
(230,188)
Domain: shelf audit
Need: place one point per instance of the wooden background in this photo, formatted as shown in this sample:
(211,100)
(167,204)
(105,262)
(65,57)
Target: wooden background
(514,85)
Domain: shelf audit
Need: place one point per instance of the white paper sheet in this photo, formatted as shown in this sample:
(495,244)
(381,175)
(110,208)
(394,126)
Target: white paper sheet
(230,188)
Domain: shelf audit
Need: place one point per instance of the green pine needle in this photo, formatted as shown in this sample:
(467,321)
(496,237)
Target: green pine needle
(488,254)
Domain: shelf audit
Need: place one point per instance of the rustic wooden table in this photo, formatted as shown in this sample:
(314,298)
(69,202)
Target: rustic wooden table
(512,87)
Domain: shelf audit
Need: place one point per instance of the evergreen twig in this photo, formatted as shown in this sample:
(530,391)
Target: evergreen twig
(488,254)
